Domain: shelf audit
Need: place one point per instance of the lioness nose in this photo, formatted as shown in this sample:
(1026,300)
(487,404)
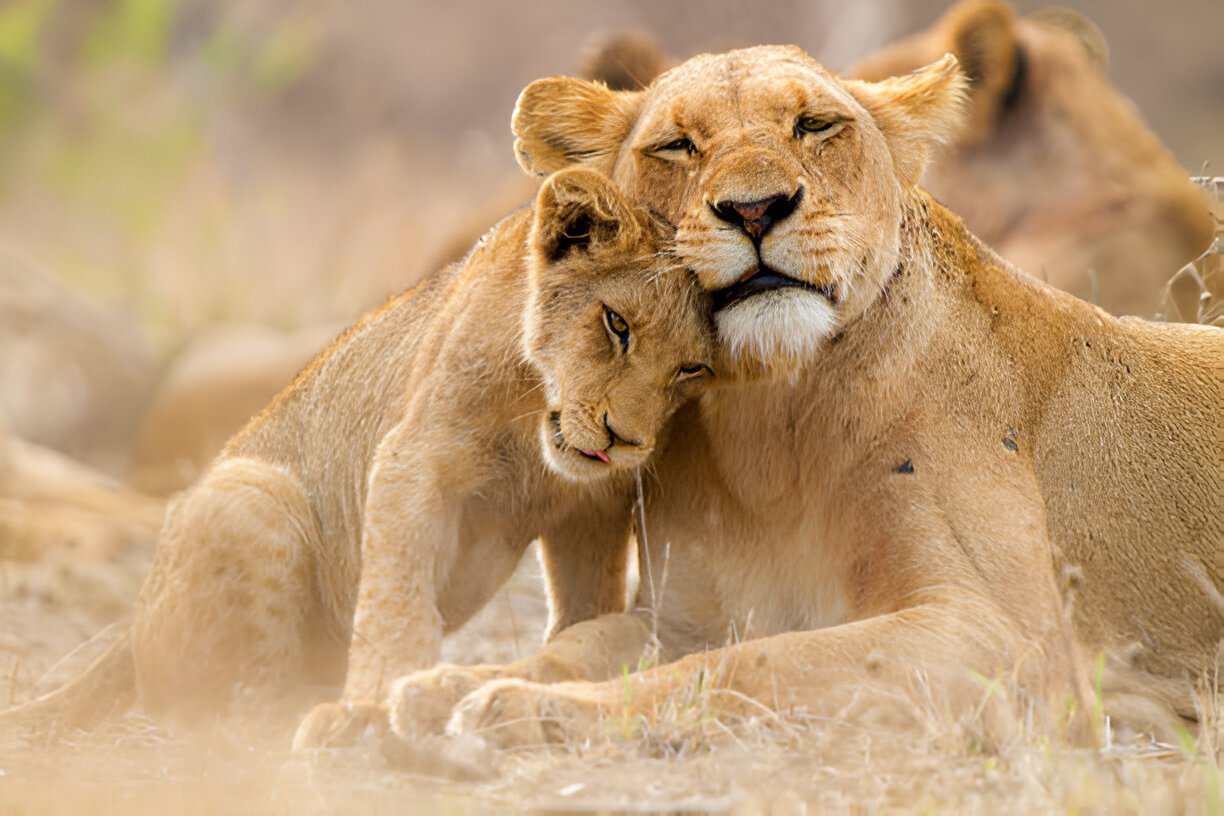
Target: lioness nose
(756,217)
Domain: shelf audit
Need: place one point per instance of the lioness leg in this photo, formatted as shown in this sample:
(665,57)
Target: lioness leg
(823,672)
(228,601)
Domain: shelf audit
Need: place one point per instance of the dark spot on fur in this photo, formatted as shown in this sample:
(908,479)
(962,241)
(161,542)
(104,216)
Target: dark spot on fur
(1010,444)
(905,467)
(837,338)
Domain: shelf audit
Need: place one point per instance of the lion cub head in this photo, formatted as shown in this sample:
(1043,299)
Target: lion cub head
(786,182)
(618,330)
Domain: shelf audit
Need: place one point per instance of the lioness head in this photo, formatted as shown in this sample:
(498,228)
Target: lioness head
(785,182)
(619,331)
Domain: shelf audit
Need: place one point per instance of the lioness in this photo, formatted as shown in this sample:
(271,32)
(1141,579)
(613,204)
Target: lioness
(388,493)
(923,440)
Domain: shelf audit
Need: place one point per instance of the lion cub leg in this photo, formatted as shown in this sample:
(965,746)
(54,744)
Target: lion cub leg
(585,555)
(225,606)
(410,536)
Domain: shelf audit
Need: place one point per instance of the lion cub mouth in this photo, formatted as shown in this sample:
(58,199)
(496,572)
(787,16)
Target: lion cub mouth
(762,279)
(554,419)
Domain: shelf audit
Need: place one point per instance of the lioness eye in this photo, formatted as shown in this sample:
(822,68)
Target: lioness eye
(618,326)
(813,124)
(692,370)
(683,143)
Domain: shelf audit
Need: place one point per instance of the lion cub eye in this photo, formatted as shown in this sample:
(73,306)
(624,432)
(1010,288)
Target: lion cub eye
(618,326)
(814,124)
(683,143)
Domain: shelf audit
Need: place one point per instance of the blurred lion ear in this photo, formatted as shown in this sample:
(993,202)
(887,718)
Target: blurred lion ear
(916,112)
(562,121)
(1078,26)
(982,36)
(578,208)
(623,60)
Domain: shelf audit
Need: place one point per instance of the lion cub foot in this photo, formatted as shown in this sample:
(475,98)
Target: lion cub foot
(515,713)
(421,703)
(340,725)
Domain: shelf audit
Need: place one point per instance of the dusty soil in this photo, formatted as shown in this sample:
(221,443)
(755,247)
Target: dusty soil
(50,607)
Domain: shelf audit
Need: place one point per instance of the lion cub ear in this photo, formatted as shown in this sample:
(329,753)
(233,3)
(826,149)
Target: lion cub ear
(916,112)
(561,121)
(579,208)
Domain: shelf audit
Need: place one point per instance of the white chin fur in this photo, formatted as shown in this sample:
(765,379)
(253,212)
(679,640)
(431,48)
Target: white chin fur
(783,327)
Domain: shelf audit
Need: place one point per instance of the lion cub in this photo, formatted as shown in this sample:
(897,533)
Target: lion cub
(385,496)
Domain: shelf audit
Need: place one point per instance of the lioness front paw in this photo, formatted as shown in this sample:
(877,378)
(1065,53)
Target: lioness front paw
(421,703)
(340,725)
(517,713)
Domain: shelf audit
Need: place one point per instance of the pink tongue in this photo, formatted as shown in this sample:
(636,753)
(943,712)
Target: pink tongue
(600,455)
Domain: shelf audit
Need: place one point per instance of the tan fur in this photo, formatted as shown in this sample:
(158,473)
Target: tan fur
(914,490)
(385,496)
(1056,171)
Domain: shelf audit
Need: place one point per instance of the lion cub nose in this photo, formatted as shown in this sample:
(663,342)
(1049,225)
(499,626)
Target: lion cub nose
(755,218)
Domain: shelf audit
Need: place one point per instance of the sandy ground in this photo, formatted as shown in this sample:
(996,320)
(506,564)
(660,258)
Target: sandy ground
(50,607)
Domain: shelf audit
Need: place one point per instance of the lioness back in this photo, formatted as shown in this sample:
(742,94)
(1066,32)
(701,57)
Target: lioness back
(1121,420)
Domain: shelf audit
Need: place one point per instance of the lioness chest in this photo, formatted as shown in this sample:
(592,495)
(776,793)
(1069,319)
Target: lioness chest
(738,542)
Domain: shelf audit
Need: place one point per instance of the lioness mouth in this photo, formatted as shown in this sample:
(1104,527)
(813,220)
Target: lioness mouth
(554,420)
(763,279)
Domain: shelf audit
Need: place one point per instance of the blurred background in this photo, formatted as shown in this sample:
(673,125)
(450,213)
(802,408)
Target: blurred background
(291,163)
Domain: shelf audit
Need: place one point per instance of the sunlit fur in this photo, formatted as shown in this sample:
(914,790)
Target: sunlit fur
(975,475)
(386,495)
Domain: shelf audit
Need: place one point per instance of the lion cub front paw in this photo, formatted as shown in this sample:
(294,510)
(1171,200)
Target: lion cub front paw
(340,725)
(421,703)
(517,713)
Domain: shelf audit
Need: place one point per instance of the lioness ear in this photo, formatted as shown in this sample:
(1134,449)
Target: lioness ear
(563,121)
(982,36)
(915,112)
(577,208)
